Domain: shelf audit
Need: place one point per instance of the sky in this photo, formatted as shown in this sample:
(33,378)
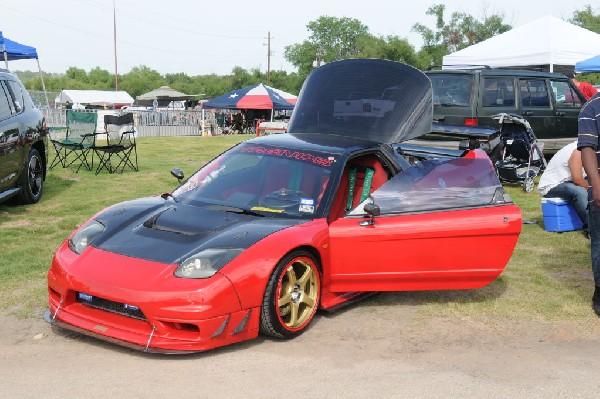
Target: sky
(200,37)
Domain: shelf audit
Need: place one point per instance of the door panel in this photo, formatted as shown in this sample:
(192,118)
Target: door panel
(444,250)
(444,224)
(9,139)
(537,108)
(568,102)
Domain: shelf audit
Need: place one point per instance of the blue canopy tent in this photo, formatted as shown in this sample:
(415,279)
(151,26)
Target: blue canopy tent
(12,50)
(589,65)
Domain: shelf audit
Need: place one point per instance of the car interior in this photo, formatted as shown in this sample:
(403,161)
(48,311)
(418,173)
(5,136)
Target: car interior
(341,203)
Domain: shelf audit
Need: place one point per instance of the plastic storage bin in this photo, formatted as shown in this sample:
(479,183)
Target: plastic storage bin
(559,215)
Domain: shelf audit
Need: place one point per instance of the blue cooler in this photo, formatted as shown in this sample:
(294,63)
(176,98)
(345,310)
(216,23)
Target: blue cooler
(559,215)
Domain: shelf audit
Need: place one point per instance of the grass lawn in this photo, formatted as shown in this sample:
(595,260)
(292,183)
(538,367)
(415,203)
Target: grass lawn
(548,278)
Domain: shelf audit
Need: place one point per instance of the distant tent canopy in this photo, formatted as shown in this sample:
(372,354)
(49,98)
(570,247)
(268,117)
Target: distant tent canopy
(548,43)
(163,96)
(589,65)
(113,99)
(15,51)
(254,97)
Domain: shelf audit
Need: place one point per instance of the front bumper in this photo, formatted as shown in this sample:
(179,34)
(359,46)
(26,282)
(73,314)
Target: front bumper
(175,315)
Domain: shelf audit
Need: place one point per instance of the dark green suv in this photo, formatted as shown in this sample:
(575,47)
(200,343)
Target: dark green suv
(549,101)
(23,143)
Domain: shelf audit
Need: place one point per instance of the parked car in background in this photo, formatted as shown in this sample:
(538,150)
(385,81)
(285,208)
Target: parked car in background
(549,101)
(23,143)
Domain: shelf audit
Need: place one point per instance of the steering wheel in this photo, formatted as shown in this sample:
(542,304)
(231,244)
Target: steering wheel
(282,199)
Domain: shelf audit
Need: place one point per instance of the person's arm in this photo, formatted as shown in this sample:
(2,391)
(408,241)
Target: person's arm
(576,168)
(590,164)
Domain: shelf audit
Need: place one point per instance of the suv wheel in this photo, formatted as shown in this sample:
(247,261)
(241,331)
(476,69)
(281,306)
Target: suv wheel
(32,179)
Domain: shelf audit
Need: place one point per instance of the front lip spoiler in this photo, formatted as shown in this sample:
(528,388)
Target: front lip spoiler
(48,317)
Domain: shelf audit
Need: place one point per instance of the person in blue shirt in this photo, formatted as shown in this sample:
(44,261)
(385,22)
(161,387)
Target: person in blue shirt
(587,143)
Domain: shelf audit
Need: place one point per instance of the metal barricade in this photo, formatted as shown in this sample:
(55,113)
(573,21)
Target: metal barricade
(150,123)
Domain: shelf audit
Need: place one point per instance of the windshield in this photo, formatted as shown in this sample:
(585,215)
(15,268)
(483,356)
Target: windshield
(261,180)
(376,100)
(439,184)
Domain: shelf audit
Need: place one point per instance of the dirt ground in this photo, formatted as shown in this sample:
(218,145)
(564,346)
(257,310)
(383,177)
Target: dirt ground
(364,351)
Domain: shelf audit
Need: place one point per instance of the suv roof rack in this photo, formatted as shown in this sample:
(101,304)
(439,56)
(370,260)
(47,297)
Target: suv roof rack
(460,66)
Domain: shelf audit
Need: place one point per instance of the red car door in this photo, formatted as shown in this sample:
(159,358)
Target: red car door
(444,224)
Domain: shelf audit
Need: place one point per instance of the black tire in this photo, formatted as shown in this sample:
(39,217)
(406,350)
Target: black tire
(290,302)
(31,180)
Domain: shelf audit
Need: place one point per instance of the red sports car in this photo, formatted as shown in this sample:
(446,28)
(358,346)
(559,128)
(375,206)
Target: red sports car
(280,226)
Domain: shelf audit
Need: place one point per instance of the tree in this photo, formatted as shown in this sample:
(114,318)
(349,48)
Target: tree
(461,31)
(101,79)
(586,18)
(390,48)
(330,39)
(140,80)
(77,74)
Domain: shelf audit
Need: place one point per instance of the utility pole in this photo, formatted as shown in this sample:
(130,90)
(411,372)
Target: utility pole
(269,59)
(115,45)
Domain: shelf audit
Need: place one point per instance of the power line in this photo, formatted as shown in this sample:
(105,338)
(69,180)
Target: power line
(136,17)
(107,38)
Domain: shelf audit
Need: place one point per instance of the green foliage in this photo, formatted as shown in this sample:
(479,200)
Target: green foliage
(586,18)
(140,80)
(336,38)
(461,31)
(330,39)
(389,48)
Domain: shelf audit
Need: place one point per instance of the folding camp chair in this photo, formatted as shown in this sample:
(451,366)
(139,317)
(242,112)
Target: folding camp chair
(77,144)
(120,144)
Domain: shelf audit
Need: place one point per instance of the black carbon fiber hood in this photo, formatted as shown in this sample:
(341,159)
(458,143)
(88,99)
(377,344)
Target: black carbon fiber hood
(169,232)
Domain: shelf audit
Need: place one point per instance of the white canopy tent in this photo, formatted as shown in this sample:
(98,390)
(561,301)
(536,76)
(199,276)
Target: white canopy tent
(548,43)
(116,99)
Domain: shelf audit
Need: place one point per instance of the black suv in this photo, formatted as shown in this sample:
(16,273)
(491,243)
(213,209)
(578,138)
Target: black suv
(23,143)
(549,101)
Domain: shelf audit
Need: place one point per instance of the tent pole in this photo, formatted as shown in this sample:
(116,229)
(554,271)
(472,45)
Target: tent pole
(271,114)
(202,124)
(5,55)
(43,84)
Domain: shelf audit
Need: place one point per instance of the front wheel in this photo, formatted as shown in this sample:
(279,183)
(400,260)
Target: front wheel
(32,179)
(291,297)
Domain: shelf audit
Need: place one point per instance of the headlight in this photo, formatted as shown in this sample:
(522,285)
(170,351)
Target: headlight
(85,236)
(206,263)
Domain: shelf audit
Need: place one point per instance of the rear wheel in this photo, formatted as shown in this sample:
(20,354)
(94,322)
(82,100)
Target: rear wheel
(32,179)
(291,297)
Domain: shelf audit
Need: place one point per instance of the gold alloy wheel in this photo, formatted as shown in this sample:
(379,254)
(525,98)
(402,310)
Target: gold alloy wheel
(297,293)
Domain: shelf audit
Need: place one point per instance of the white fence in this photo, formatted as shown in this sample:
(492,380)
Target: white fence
(149,123)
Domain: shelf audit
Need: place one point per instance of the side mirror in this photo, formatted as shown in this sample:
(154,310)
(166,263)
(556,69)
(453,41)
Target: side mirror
(372,210)
(18,106)
(178,173)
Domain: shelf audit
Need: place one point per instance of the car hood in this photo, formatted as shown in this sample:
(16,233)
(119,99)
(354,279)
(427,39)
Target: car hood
(168,232)
(375,100)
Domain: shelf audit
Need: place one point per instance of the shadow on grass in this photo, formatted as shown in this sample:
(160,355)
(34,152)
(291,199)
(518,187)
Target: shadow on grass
(418,298)
(53,187)
(488,293)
